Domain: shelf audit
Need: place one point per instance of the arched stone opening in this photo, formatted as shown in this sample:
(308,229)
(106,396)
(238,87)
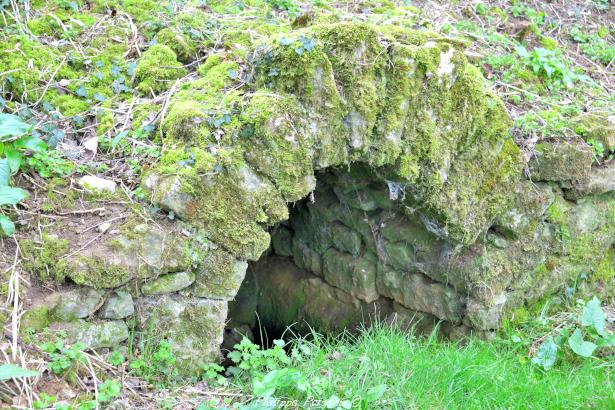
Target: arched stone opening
(419,207)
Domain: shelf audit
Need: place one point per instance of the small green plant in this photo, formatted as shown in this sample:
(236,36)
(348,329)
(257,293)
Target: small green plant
(116,358)
(14,141)
(287,5)
(156,364)
(63,358)
(585,333)
(594,45)
(109,390)
(597,146)
(213,372)
(45,401)
(547,63)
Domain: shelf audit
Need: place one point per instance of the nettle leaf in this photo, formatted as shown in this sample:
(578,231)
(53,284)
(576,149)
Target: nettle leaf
(580,346)
(12,126)
(11,196)
(14,158)
(32,143)
(5,172)
(6,225)
(547,354)
(9,371)
(594,316)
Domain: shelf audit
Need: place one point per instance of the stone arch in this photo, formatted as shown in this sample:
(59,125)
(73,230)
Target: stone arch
(408,110)
(405,105)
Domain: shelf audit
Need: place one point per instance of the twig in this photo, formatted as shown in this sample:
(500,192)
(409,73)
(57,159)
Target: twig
(50,81)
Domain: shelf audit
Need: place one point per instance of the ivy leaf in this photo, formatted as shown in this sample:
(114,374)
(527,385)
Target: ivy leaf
(81,91)
(8,371)
(594,316)
(547,354)
(580,346)
(6,225)
(11,196)
(12,126)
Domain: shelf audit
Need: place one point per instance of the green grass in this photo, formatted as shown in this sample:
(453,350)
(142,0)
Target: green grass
(426,373)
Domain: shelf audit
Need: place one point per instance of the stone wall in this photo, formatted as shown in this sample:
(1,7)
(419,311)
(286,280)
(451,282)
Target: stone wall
(357,248)
(432,215)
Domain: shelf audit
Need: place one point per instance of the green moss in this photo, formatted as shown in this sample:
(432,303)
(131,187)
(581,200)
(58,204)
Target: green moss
(35,319)
(44,258)
(67,104)
(98,273)
(106,121)
(183,47)
(597,127)
(157,69)
(557,212)
(144,114)
(279,146)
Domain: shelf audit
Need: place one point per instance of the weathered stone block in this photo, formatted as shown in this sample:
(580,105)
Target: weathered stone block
(345,239)
(354,275)
(219,276)
(77,304)
(561,161)
(169,283)
(601,180)
(417,292)
(194,327)
(306,258)
(117,306)
(531,201)
(96,335)
(282,240)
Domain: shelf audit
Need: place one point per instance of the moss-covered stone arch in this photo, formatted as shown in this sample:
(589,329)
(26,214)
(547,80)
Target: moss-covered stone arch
(408,104)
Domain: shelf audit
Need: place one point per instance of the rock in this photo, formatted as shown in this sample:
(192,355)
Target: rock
(306,258)
(194,328)
(169,283)
(166,191)
(597,126)
(531,202)
(103,227)
(411,320)
(356,276)
(138,253)
(77,304)
(96,184)
(561,161)
(288,294)
(282,241)
(219,276)
(96,335)
(601,180)
(417,292)
(482,317)
(118,306)
(345,239)
(242,309)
